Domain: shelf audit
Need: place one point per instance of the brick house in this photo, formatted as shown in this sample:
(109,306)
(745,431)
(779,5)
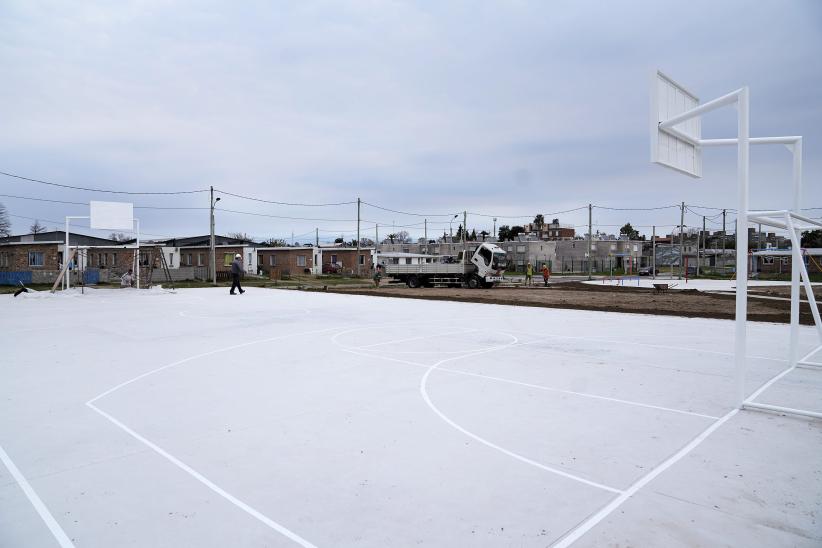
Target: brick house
(778,261)
(276,262)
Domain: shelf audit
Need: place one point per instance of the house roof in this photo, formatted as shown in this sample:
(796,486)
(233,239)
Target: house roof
(57,236)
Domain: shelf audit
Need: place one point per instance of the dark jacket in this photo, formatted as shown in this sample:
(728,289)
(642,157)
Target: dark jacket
(237,267)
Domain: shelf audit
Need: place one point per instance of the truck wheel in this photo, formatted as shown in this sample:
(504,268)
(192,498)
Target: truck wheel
(413,282)
(473,282)
(488,285)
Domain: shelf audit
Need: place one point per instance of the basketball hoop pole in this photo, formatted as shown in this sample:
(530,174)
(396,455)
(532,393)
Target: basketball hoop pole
(67,280)
(137,222)
(741,98)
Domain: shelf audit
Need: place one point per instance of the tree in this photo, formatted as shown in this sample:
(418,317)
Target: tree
(504,233)
(392,237)
(473,236)
(812,239)
(37,228)
(117,237)
(339,241)
(539,221)
(403,237)
(274,242)
(628,230)
(5,223)
(459,232)
(239,236)
(515,231)
(484,234)
(366,242)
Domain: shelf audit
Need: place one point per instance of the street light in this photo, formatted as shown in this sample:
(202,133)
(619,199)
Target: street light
(451,227)
(213,259)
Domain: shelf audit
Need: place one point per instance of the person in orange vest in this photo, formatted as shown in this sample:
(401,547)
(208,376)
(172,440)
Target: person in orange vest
(545,274)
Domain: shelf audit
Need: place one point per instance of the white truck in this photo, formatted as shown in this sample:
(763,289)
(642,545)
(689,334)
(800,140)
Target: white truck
(483,269)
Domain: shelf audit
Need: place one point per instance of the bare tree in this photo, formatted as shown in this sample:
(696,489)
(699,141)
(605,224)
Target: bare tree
(239,236)
(275,242)
(117,237)
(37,228)
(5,223)
(403,237)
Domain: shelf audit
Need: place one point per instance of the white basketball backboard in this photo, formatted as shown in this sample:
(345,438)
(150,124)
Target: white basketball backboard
(678,152)
(112,215)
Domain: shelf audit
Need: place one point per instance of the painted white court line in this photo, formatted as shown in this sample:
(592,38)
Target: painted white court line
(183,466)
(409,339)
(526,460)
(207,482)
(592,521)
(60,535)
(487,443)
(539,386)
(581,394)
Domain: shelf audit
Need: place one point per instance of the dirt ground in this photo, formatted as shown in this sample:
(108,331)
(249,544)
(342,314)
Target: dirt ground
(575,295)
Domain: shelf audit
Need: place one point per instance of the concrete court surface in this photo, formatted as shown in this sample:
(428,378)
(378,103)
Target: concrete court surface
(287,418)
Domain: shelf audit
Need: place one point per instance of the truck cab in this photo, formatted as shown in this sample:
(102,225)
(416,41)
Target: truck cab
(490,263)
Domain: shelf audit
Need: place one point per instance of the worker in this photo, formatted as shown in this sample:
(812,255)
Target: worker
(545,274)
(377,275)
(236,270)
(529,274)
(127,279)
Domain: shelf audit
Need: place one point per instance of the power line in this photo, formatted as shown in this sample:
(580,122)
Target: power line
(636,208)
(282,203)
(87,189)
(409,212)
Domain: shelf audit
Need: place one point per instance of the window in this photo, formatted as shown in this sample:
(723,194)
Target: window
(272,260)
(36,258)
(199,259)
(301,260)
(613,247)
(104,259)
(785,261)
(362,259)
(4,260)
(250,262)
(190,259)
(636,248)
(408,260)
(171,259)
(593,246)
(767,260)
(227,258)
(333,259)
(113,259)
(520,249)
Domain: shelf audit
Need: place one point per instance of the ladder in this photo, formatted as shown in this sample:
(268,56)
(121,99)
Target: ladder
(150,268)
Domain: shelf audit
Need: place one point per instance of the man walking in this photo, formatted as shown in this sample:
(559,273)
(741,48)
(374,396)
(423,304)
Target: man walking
(529,274)
(236,270)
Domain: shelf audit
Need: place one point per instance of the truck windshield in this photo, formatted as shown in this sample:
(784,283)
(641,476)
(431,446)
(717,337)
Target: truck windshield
(499,261)
(485,253)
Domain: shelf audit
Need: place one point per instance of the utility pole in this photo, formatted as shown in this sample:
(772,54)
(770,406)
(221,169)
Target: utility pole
(590,236)
(212,248)
(494,234)
(316,237)
(759,238)
(464,236)
(681,239)
(704,240)
(723,242)
(358,237)
(426,233)
(653,252)
(376,235)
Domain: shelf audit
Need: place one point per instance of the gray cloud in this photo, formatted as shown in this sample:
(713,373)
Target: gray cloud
(514,108)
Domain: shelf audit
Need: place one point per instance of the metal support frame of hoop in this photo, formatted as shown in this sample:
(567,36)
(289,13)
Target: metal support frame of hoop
(789,220)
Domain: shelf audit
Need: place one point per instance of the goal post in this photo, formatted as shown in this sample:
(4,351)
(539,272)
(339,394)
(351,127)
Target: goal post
(676,143)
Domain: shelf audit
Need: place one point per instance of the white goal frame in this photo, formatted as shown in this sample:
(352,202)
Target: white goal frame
(790,220)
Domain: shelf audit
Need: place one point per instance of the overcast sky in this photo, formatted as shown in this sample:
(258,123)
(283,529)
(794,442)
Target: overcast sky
(501,108)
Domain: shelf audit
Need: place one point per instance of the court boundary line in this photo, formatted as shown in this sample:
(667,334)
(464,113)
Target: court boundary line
(466,432)
(39,506)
